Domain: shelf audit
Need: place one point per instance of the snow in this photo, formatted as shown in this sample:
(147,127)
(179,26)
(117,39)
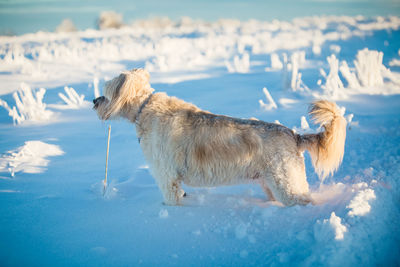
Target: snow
(336,223)
(359,205)
(29,106)
(29,158)
(271,103)
(163,214)
(73,100)
(53,146)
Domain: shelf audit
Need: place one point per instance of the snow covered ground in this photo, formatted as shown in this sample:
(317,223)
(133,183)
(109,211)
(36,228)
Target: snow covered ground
(53,146)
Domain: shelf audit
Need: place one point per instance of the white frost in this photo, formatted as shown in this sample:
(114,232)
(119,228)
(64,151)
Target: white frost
(72,99)
(336,224)
(240,64)
(29,158)
(359,205)
(271,103)
(29,106)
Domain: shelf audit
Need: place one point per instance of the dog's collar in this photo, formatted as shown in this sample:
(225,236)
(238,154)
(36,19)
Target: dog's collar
(142,106)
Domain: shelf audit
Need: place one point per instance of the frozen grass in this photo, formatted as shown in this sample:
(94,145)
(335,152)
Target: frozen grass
(29,106)
(271,103)
(240,64)
(369,76)
(72,100)
(163,46)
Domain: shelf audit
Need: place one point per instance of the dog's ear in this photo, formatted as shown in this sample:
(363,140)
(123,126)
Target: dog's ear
(142,78)
(125,88)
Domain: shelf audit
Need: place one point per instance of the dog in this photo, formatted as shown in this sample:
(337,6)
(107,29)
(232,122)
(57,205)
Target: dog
(184,144)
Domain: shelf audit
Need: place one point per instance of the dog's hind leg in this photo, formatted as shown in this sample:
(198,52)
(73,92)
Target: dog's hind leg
(288,183)
(283,193)
(266,189)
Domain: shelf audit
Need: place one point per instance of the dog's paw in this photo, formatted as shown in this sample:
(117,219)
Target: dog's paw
(181,193)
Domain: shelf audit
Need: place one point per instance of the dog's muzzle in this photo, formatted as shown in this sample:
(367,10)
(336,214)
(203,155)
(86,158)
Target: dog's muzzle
(98,100)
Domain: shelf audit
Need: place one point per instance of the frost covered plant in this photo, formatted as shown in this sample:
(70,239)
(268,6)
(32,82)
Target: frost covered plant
(333,86)
(239,64)
(271,103)
(369,67)
(291,74)
(276,63)
(29,106)
(368,76)
(72,99)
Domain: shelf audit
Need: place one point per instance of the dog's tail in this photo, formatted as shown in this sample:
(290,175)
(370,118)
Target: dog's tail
(326,148)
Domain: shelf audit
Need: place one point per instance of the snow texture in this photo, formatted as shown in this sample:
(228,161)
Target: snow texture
(359,205)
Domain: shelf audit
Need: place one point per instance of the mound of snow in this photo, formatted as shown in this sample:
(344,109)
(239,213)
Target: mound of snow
(359,205)
(29,158)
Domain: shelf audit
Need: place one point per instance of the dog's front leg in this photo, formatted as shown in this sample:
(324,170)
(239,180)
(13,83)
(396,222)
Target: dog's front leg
(171,191)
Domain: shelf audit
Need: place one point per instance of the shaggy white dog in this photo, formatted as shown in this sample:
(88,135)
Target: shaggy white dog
(183,143)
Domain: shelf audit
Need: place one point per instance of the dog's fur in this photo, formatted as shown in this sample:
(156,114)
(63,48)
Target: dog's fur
(183,143)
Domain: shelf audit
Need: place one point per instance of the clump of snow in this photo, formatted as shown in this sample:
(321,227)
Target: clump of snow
(109,20)
(29,106)
(163,214)
(29,158)
(329,228)
(240,64)
(66,26)
(72,100)
(338,227)
(271,103)
(359,205)
(333,87)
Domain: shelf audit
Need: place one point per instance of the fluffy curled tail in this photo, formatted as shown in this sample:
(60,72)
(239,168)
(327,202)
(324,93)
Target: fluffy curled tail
(326,148)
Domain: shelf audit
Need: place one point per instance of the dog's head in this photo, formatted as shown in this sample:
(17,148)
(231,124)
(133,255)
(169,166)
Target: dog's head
(123,95)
